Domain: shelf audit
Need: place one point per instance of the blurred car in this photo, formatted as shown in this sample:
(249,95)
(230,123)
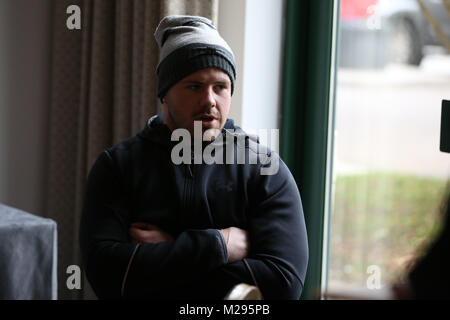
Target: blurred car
(376,32)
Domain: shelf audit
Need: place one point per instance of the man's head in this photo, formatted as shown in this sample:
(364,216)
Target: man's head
(196,73)
(204,96)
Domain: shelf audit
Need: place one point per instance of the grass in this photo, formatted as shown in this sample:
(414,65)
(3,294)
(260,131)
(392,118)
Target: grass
(381,219)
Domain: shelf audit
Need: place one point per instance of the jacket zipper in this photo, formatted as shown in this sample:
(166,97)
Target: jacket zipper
(251,273)
(124,280)
(189,183)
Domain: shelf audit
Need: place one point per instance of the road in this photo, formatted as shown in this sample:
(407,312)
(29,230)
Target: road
(389,119)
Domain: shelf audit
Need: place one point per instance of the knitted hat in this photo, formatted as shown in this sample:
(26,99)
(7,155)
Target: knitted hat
(188,44)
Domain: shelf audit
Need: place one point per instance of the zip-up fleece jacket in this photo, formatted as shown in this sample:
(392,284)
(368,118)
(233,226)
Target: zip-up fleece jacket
(136,181)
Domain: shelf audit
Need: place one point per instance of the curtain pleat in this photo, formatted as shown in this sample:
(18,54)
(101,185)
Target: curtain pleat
(150,59)
(123,60)
(81,166)
(103,91)
(61,199)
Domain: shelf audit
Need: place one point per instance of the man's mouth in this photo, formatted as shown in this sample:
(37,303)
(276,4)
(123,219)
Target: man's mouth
(206,117)
(207,120)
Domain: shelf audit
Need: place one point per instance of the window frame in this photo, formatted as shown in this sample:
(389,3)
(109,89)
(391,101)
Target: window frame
(306,140)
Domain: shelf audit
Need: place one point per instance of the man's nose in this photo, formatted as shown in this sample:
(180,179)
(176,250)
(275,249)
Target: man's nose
(208,99)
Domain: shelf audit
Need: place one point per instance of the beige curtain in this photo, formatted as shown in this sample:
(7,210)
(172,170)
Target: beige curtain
(103,91)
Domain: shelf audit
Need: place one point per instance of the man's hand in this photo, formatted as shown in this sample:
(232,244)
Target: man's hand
(237,243)
(144,232)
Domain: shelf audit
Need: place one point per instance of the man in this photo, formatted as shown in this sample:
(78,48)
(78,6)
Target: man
(155,227)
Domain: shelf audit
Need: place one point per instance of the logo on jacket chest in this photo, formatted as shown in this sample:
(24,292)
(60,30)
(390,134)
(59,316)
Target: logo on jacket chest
(223,186)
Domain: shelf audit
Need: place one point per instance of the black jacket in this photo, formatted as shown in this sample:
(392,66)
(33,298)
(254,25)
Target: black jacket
(136,181)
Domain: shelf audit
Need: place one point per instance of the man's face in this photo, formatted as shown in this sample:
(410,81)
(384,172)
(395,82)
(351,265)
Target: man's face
(202,96)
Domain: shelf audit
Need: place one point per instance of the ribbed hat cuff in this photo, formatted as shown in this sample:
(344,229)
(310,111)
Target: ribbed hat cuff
(189,59)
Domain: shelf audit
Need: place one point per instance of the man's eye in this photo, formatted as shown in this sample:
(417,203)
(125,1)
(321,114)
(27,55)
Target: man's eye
(194,87)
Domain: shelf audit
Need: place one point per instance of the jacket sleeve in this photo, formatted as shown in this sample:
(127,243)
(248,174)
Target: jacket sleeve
(278,237)
(114,266)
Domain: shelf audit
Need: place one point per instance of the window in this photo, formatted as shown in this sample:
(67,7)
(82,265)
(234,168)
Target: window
(389,176)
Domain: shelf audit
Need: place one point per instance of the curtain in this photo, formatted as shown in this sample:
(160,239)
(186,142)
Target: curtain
(103,90)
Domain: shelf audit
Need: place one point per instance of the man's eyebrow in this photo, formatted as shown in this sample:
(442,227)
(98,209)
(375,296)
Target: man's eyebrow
(221,81)
(192,81)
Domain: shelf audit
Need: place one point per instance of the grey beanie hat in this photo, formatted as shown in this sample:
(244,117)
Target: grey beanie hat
(188,44)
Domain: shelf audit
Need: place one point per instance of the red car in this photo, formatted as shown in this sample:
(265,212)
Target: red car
(375,32)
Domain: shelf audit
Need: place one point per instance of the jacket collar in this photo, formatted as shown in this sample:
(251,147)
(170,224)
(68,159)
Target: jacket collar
(156,131)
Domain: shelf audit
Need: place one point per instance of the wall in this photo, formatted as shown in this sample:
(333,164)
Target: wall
(254,29)
(25,40)
(231,26)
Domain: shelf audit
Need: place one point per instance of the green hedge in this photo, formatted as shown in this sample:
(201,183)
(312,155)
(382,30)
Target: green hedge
(382,219)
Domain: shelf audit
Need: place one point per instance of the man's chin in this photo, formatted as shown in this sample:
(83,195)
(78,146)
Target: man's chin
(210,134)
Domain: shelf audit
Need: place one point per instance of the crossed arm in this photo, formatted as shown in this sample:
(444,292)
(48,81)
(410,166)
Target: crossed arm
(236,239)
